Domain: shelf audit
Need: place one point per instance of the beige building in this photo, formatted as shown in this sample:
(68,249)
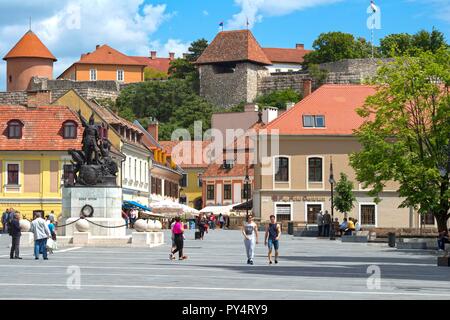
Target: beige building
(293,181)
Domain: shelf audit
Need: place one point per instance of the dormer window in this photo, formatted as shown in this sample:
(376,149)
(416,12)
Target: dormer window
(69,130)
(314,121)
(15,129)
(228,164)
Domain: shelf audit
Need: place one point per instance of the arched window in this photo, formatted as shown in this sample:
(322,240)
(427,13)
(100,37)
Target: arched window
(281,169)
(15,129)
(315,169)
(69,130)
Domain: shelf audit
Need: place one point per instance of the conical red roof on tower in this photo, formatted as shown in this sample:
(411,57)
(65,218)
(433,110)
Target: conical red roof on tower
(30,46)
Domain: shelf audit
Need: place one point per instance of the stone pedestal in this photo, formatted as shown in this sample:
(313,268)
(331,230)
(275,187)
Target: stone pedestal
(27,240)
(80,238)
(147,239)
(107,205)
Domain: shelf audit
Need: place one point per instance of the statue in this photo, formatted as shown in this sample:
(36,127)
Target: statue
(93,165)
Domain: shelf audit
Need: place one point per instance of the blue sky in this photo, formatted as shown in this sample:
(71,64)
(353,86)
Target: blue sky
(72,27)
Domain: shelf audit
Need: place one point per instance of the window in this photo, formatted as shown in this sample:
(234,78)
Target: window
(70,130)
(277,70)
(156,185)
(228,164)
(140,171)
(310,121)
(120,75)
(315,169)
(135,169)
(428,218)
(281,169)
(10,78)
(210,192)
(283,212)
(183,200)
(129,168)
(15,129)
(224,68)
(368,214)
(247,190)
(227,191)
(13,174)
(93,74)
(183,181)
(311,213)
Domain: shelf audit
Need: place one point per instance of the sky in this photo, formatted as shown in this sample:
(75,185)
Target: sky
(72,27)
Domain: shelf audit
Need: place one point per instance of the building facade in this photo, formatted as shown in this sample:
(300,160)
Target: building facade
(292,182)
(33,151)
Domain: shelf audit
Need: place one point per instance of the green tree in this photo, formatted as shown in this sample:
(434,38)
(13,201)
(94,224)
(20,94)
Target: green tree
(406,135)
(335,46)
(196,49)
(279,98)
(344,198)
(397,44)
(319,75)
(151,74)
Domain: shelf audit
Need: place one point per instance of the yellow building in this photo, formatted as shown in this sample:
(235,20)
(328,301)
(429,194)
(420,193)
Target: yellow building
(190,156)
(33,152)
(105,63)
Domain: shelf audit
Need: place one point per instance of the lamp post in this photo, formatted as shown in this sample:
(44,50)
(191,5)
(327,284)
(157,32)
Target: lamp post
(332,182)
(247,181)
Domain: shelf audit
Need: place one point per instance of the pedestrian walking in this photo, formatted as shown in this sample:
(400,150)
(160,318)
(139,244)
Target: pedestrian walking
(250,232)
(221,221)
(5,220)
(15,234)
(326,224)
(201,222)
(51,242)
(272,238)
(178,234)
(41,233)
(320,223)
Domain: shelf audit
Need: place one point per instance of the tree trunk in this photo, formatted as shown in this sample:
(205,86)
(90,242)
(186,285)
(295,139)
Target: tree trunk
(441,219)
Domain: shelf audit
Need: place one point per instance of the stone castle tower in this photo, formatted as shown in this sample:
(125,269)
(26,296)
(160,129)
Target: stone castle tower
(28,58)
(229,68)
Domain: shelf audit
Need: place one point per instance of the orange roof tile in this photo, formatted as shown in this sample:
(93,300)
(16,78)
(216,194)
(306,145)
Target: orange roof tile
(160,64)
(197,150)
(285,55)
(107,55)
(233,46)
(338,103)
(30,46)
(42,128)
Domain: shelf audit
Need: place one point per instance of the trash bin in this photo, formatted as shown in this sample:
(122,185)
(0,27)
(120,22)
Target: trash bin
(391,239)
(290,227)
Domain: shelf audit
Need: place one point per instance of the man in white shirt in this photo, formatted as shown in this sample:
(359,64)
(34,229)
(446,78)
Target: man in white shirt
(41,233)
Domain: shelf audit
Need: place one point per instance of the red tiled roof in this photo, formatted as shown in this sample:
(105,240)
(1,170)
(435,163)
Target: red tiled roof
(107,55)
(233,46)
(160,64)
(197,148)
(30,46)
(285,55)
(338,103)
(42,128)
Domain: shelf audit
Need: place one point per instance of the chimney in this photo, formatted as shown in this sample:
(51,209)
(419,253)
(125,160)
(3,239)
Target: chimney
(269,114)
(306,87)
(38,98)
(153,128)
(250,107)
(171,56)
(152,54)
(300,46)
(289,105)
(83,55)
(97,46)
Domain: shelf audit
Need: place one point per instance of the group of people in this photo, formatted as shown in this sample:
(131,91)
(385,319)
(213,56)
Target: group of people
(130,216)
(325,225)
(42,231)
(210,221)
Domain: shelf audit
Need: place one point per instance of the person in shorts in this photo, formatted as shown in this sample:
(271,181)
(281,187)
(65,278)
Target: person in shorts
(272,239)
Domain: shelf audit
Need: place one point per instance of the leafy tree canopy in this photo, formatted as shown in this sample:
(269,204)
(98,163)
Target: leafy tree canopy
(151,74)
(344,198)
(406,137)
(279,98)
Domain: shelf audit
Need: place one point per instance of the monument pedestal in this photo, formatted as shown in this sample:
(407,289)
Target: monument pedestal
(147,239)
(106,203)
(27,240)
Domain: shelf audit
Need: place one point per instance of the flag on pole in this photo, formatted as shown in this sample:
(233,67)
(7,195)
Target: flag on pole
(221,25)
(247,23)
(373,6)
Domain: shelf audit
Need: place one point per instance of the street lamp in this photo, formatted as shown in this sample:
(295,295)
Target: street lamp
(247,182)
(332,182)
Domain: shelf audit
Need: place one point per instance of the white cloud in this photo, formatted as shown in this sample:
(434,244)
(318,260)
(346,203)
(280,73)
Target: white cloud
(172,45)
(205,13)
(70,28)
(253,11)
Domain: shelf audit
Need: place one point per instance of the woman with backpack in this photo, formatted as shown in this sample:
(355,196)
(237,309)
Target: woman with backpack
(178,236)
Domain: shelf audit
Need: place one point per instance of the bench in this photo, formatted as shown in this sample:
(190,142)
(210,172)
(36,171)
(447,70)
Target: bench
(358,236)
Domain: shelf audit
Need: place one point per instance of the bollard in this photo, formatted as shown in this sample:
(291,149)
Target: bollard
(391,239)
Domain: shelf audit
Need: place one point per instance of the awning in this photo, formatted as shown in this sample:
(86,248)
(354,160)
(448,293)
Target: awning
(218,209)
(244,206)
(130,204)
